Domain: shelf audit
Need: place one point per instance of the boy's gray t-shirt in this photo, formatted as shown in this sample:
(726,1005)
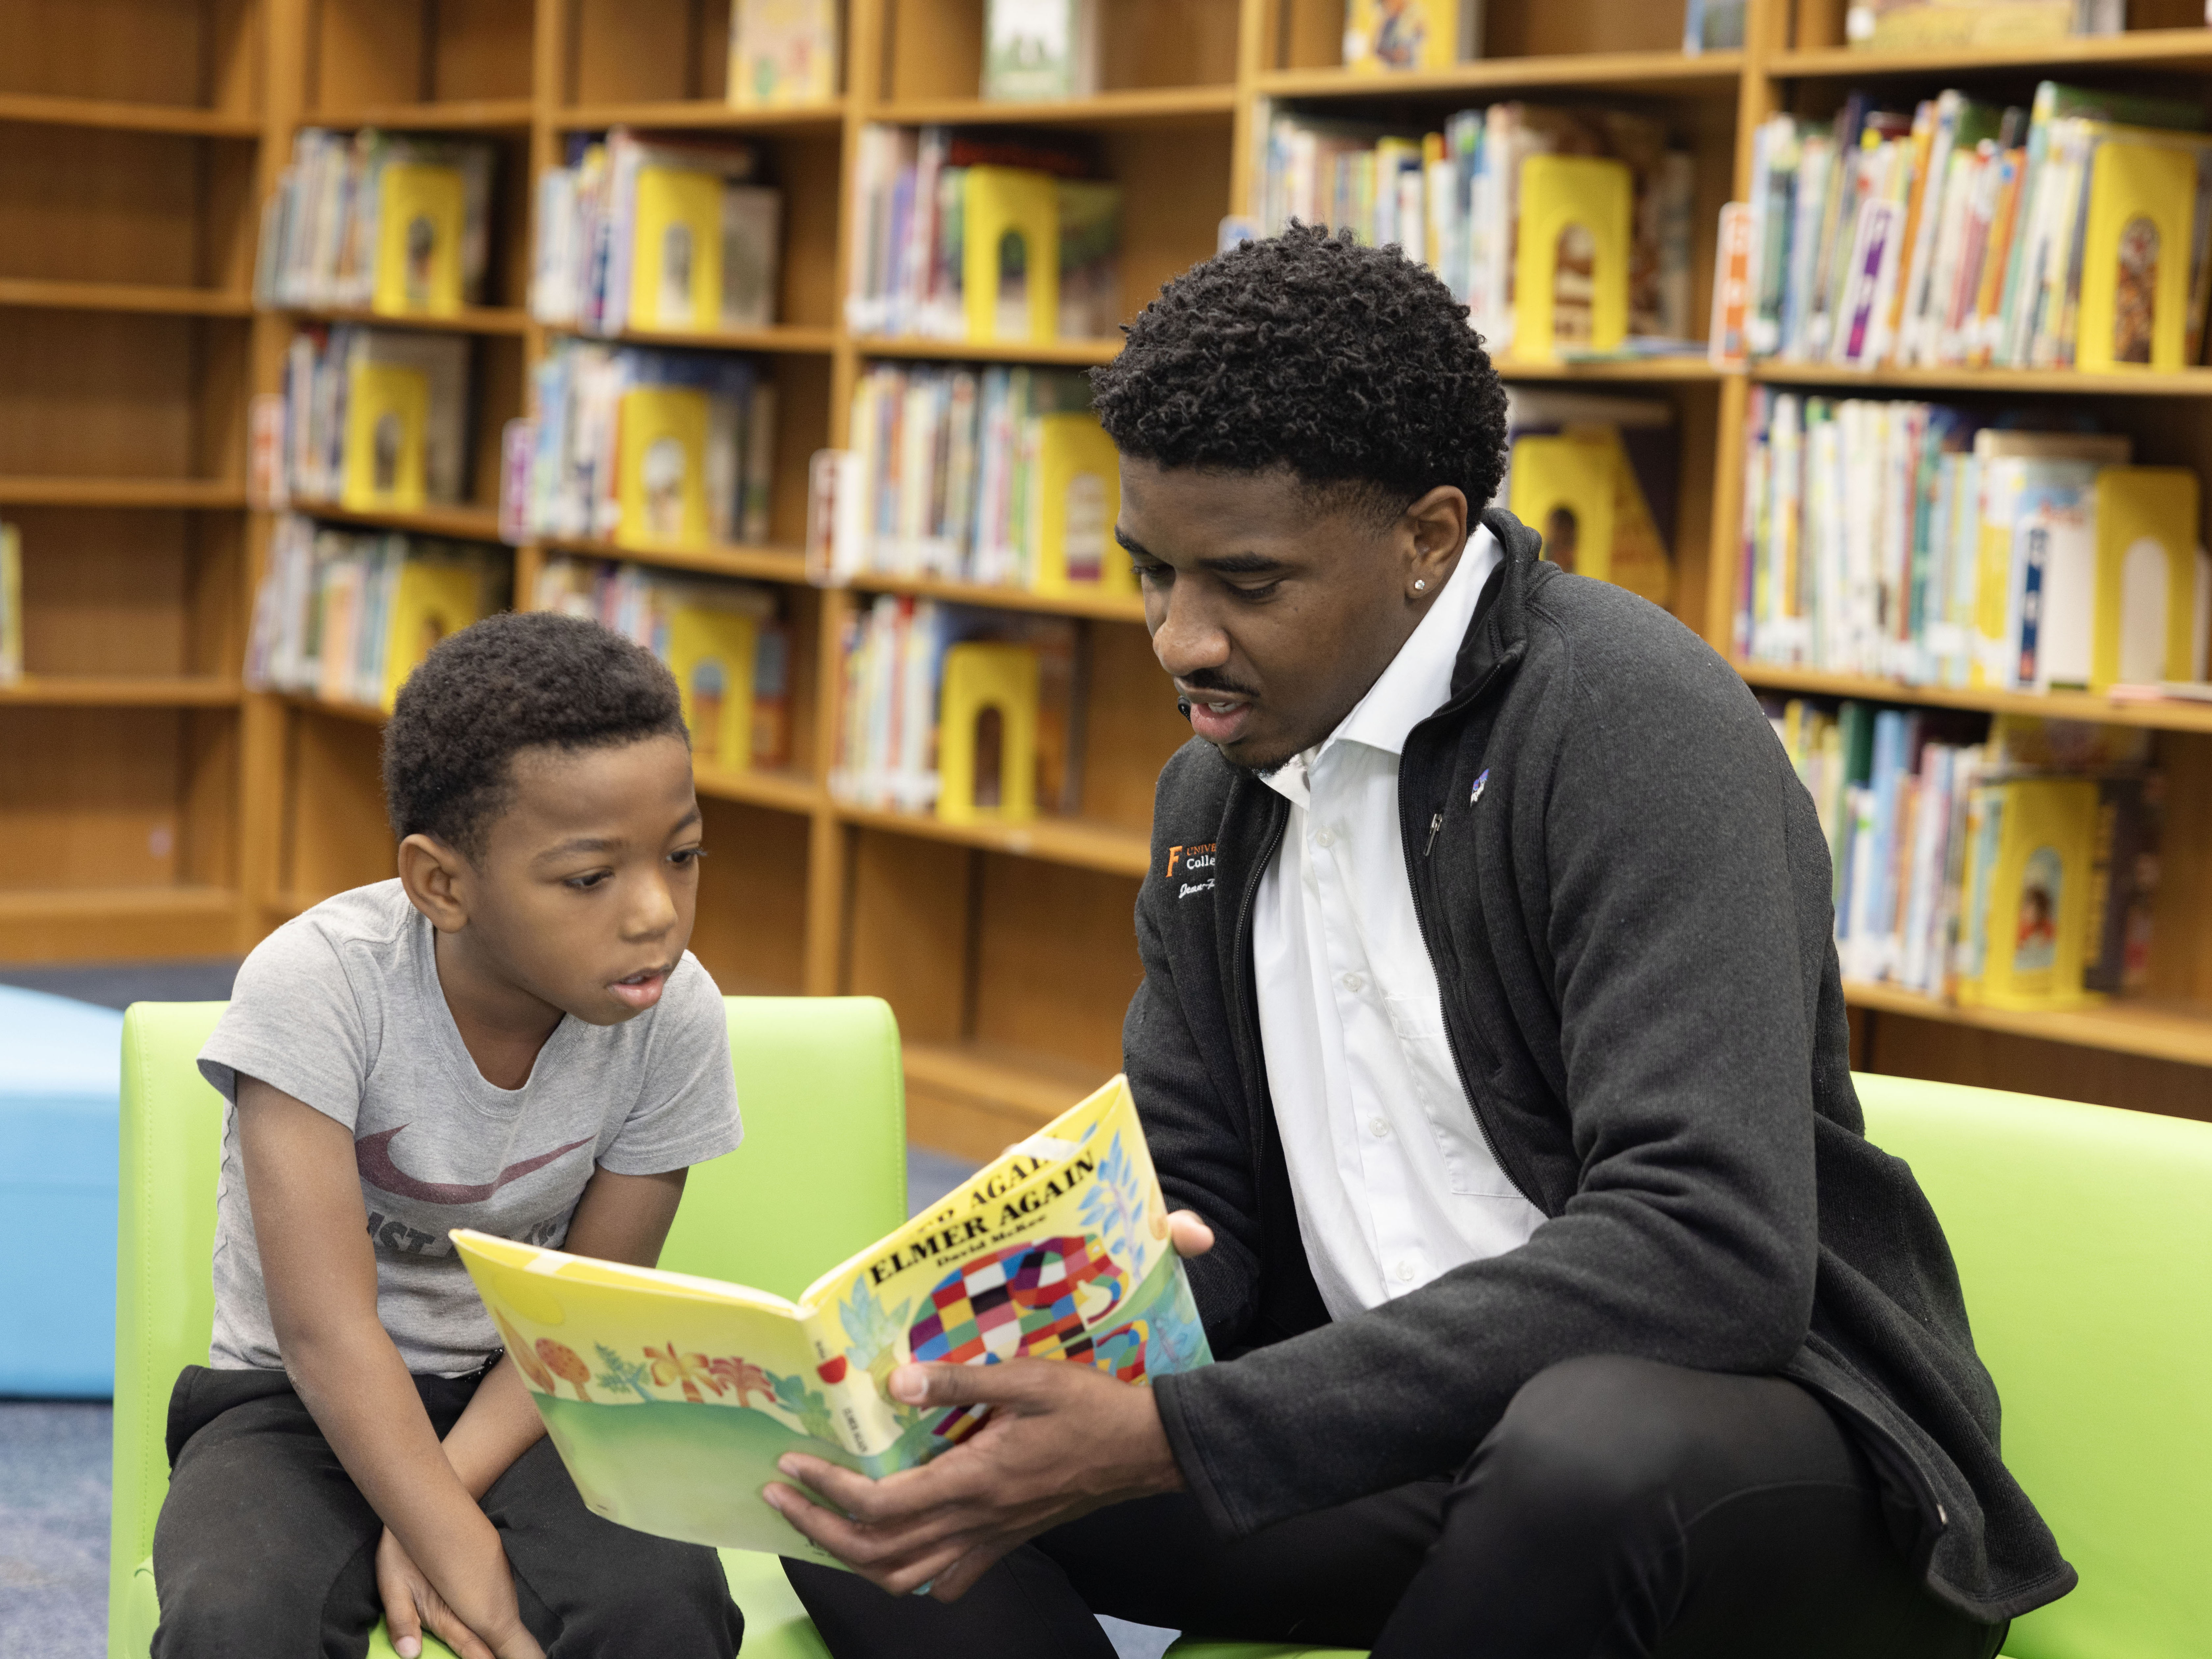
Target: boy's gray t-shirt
(341,1008)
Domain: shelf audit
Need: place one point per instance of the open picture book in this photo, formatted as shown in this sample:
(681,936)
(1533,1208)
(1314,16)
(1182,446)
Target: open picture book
(671,1397)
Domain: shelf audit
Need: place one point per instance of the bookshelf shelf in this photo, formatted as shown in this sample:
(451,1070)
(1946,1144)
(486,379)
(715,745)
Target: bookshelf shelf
(1681,370)
(208,494)
(460,115)
(120,115)
(26,294)
(786,792)
(2170,716)
(1649,72)
(469,320)
(1078,842)
(1153,106)
(700,115)
(1072,352)
(2156,1031)
(975,1097)
(1106,607)
(117,691)
(2056,382)
(468,523)
(783,340)
(360,713)
(774,564)
(2148,49)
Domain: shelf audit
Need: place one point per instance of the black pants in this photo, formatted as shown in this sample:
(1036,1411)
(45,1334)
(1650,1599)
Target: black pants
(266,1550)
(1620,1507)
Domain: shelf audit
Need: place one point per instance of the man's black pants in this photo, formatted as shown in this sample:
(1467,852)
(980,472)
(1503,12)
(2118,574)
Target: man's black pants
(266,1550)
(1620,1507)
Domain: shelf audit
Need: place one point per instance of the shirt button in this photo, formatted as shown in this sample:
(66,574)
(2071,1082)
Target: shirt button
(1405,1270)
(1325,838)
(1381,1125)
(1353,983)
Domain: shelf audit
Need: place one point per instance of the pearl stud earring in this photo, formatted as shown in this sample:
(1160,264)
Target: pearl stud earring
(1420,586)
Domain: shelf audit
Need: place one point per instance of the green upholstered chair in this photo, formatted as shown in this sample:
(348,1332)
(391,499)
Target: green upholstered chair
(2084,1239)
(820,1089)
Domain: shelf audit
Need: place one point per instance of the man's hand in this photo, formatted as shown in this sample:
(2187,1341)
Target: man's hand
(487,1626)
(1061,1440)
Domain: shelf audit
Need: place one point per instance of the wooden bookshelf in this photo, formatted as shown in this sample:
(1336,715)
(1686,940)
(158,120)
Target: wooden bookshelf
(1006,950)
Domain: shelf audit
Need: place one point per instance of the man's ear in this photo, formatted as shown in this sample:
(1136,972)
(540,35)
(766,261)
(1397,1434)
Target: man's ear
(1435,528)
(436,878)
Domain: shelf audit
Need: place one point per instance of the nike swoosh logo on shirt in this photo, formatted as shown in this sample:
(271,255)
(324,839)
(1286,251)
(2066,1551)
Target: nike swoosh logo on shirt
(372,1155)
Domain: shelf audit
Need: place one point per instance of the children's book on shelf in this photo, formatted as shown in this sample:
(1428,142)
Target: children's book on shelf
(650,448)
(639,235)
(888,754)
(377,220)
(987,732)
(1937,25)
(2017,870)
(999,475)
(346,616)
(11,604)
(1597,476)
(2076,233)
(1457,200)
(671,1397)
(984,232)
(1393,36)
(1712,26)
(375,419)
(1040,51)
(727,643)
(783,52)
(2152,598)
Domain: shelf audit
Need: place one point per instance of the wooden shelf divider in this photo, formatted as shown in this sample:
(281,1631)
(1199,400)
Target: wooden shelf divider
(213,494)
(124,115)
(2168,714)
(700,115)
(26,294)
(459,115)
(464,523)
(121,692)
(469,320)
(1661,72)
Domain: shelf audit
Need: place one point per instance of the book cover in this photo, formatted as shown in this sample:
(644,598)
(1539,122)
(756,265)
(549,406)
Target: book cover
(421,221)
(987,734)
(2147,520)
(676,262)
(1040,51)
(2135,257)
(1571,284)
(436,595)
(1078,498)
(1939,25)
(1010,276)
(711,651)
(782,52)
(1382,37)
(1090,258)
(660,468)
(386,435)
(671,1397)
(2031,894)
(751,249)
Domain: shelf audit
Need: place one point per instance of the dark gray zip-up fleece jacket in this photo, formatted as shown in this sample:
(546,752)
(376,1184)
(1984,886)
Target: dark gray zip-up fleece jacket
(1626,892)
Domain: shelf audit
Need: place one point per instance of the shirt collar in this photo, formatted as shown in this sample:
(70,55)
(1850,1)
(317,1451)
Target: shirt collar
(1419,679)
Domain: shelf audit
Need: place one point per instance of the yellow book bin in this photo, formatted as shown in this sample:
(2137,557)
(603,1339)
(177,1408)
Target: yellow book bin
(1010,259)
(711,651)
(986,741)
(1570,273)
(386,438)
(418,253)
(676,266)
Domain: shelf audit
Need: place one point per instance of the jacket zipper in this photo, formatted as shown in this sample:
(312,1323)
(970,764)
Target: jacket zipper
(1247,998)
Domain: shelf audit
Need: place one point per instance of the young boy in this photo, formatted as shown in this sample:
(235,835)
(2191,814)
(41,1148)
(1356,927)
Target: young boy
(509,1037)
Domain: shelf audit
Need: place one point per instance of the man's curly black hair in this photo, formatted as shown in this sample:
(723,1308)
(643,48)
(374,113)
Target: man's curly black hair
(510,682)
(1352,367)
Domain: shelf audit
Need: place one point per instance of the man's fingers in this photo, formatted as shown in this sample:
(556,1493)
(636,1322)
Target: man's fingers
(1009,1383)
(905,1556)
(1191,1236)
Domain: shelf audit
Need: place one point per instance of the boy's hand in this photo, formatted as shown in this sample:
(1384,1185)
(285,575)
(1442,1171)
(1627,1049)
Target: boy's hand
(492,1628)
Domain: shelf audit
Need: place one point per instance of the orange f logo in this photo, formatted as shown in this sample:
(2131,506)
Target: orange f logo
(1174,853)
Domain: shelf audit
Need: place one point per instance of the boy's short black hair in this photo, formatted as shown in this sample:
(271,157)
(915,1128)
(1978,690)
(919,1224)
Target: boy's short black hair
(1352,367)
(510,682)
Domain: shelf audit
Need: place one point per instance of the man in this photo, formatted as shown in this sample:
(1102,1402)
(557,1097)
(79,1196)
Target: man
(1563,1306)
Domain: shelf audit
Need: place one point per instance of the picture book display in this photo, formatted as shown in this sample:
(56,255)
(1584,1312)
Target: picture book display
(782,52)
(396,223)
(987,734)
(1382,37)
(375,418)
(421,223)
(1040,50)
(1597,476)
(671,1397)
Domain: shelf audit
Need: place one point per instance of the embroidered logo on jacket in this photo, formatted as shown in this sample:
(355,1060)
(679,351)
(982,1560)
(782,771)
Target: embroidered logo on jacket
(1198,856)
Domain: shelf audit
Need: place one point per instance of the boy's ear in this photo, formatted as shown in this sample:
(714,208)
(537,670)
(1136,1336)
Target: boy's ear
(434,875)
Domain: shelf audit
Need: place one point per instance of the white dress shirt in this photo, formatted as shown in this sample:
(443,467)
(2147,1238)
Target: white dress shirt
(1395,1183)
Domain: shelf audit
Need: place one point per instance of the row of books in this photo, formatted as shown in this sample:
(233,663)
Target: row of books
(1385,37)
(968,713)
(647,448)
(2074,234)
(638,235)
(1910,542)
(377,220)
(1935,25)
(727,643)
(374,419)
(1562,230)
(2017,871)
(11,604)
(985,233)
(346,616)
(1000,475)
